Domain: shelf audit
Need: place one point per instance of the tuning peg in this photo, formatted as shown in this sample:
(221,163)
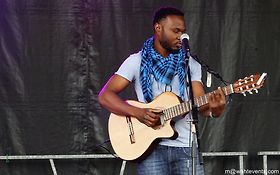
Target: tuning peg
(245,79)
(239,83)
(244,94)
(250,92)
(256,90)
(252,78)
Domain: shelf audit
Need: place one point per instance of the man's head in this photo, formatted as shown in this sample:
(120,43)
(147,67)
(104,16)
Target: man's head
(168,26)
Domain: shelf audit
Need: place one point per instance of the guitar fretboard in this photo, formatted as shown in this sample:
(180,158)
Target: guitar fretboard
(186,106)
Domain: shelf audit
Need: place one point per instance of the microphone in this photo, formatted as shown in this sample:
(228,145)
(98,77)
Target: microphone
(185,42)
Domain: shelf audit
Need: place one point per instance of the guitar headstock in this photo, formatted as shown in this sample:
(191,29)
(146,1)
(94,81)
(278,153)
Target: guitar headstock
(249,84)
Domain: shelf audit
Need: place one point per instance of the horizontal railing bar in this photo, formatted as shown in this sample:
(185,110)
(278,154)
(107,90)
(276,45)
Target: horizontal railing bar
(208,154)
(88,156)
(269,153)
(106,156)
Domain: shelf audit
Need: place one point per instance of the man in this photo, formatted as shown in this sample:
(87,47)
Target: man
(157,68)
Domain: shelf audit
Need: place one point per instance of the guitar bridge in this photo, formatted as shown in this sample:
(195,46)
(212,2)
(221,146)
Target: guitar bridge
(130,130)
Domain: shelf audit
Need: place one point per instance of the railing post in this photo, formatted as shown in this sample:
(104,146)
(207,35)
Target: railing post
(122,167)
(53,167)
(241,164)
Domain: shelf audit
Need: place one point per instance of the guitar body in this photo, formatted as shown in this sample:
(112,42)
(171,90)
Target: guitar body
(144,136)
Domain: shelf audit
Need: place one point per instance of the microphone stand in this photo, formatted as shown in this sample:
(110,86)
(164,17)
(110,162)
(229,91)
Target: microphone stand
(194,115)
(194,112)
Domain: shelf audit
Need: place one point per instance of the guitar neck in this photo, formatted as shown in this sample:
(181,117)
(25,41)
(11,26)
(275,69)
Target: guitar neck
(187,106)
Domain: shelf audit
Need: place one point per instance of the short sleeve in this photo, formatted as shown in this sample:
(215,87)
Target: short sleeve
(130,67)
(195,70)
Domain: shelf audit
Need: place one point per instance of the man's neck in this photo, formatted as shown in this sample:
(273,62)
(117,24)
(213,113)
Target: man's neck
(160,49)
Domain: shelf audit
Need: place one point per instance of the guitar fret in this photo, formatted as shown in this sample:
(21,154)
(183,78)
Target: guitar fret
(172,111)
(175,111)
(180,109)
(201,102)
(207,96)
(206,99)
(225,90)
(168,114)
(185,107)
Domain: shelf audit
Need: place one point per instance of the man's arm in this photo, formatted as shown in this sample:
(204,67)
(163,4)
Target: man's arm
(216,101)
(109,99)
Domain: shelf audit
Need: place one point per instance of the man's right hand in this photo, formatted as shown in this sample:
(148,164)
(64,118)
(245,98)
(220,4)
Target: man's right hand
(108,98)
(148,117)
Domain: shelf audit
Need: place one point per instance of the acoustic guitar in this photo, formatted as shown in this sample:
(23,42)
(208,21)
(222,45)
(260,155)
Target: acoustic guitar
(131,139)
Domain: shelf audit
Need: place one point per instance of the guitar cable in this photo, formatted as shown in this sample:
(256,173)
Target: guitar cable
(105,148)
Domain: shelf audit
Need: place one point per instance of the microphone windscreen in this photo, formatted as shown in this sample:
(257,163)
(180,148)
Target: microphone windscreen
(183,36)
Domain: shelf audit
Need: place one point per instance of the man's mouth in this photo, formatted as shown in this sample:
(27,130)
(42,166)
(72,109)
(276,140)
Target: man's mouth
(179,44)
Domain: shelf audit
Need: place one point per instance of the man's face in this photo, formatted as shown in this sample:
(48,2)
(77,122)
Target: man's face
(172,27)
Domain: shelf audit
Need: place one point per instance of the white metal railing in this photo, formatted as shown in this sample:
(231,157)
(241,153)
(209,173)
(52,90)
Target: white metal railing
(265,154)
(51,158)
(224,154)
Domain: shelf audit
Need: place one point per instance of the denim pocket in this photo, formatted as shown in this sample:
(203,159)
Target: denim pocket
(187,151)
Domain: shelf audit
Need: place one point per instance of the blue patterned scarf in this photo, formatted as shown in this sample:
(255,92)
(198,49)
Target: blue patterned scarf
(163,69)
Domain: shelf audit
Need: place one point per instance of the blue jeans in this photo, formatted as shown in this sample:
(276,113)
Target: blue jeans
(165,160)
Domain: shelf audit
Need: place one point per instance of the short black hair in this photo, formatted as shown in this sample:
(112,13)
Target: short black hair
(163,12)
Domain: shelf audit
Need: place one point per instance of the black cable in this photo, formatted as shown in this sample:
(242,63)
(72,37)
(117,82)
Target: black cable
(208,69)
(216,74)
(103,147)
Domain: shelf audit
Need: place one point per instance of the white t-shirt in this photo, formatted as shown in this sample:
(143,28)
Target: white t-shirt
(130,70)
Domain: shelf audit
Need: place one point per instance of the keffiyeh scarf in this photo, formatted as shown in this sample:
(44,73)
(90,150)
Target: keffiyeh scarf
(163,69)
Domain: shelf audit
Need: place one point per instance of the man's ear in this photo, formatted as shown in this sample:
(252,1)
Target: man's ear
(157,27)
